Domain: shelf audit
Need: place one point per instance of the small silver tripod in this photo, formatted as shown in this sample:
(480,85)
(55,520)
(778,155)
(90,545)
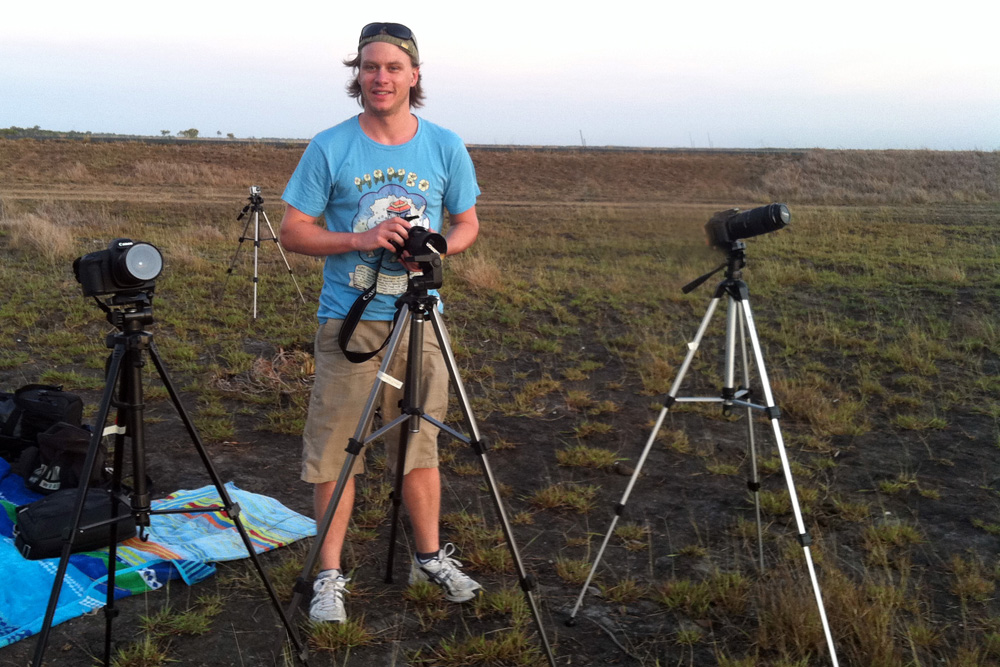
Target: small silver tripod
(738,314)
(256,209)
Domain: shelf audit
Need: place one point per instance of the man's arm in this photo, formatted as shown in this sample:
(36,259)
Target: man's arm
(463,228)
(300,233)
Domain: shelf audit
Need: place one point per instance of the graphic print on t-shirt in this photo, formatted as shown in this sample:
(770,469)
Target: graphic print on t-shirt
(387,202)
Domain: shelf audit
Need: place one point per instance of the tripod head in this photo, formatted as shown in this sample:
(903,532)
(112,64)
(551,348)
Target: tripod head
(256,202)
(430,276)
(128,313)
(425,248)
(736,259)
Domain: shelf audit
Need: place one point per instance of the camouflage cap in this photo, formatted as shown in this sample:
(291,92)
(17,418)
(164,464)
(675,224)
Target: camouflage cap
(391,33)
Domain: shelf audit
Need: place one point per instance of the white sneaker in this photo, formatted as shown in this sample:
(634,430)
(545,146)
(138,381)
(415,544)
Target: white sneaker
(327,605)
(444,571)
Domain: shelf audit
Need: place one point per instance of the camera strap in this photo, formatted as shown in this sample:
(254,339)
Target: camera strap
(354,316)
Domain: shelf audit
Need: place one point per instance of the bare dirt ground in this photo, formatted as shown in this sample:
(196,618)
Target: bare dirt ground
(680,503)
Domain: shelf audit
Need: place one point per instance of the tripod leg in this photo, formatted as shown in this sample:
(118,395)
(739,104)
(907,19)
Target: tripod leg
(356,444)
(397,500)
(729,388)
(753,484)
(236,255)
(667,404)
(256,248)
(734,319)
(773,414)
(232,510)
(480,446)
(117,466)
(130,411)
(411,395)
(282,252)
(114,368)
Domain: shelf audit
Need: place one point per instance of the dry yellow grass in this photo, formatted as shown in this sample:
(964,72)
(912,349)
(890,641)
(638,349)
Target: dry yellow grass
(478,272)
(52,241)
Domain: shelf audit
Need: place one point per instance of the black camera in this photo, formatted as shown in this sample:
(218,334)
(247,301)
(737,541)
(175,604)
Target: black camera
(420,242)
(425,248)
(256,201)
(125,267)
(727,227)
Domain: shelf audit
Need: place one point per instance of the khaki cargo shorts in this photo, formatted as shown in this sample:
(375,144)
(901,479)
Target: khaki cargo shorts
(341,391)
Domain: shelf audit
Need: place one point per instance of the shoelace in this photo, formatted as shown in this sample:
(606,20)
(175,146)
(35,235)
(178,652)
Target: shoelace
(449,566)
(338,584)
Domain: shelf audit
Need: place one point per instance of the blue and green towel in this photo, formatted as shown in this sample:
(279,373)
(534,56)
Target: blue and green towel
(183,546)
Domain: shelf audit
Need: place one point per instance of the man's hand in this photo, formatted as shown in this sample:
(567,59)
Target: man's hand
(390,234)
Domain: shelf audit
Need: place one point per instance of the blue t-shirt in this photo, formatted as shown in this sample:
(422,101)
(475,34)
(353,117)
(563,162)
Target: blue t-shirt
(356,183)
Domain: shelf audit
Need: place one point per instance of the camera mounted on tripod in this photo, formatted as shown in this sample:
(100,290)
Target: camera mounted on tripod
(126,275)
(256,202)
(726,228)
(125,268)
(425,248)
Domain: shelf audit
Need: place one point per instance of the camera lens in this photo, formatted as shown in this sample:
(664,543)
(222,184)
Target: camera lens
(140,263)
(758,221)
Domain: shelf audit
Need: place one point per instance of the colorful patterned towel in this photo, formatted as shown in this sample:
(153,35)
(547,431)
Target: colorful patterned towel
(181,546)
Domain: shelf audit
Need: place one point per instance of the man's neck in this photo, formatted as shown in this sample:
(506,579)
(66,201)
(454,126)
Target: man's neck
(390,130)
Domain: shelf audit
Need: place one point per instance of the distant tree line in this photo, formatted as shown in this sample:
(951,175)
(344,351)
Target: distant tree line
(14,132)
(36,132)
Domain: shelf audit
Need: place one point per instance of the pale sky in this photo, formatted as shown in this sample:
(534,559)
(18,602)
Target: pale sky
(869,74)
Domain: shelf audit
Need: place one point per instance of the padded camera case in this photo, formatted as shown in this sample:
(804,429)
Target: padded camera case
(59,461)
(33,409)
(43,526)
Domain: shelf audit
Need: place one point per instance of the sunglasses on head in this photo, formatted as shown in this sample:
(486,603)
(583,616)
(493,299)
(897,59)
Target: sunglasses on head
(397,30)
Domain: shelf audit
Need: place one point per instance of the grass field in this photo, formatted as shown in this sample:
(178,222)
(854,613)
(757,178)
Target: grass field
(876,309)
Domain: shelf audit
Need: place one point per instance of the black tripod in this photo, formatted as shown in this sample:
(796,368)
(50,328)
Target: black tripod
(738,314)
(414,309)
(129,313)
(256,209)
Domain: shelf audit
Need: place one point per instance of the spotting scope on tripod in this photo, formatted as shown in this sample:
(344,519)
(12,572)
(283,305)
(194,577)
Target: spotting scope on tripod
(725,231)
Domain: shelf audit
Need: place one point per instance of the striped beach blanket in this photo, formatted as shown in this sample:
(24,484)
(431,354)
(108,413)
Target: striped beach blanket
(180,546)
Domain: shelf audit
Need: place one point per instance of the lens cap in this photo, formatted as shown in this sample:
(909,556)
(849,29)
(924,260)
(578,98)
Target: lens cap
(143,262)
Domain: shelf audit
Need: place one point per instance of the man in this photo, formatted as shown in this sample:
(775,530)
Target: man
(372,177)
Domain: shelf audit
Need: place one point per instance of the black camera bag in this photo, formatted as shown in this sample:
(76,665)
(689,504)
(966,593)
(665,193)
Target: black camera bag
(10,447)
(42,527)
(33,409)
(58,464)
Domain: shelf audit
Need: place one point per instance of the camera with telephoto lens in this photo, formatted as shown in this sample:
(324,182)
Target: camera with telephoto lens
(726,227)
(126,267)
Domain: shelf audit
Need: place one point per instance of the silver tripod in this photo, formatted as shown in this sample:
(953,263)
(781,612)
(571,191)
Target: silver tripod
(256,209)
(415,308)
(738,315)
